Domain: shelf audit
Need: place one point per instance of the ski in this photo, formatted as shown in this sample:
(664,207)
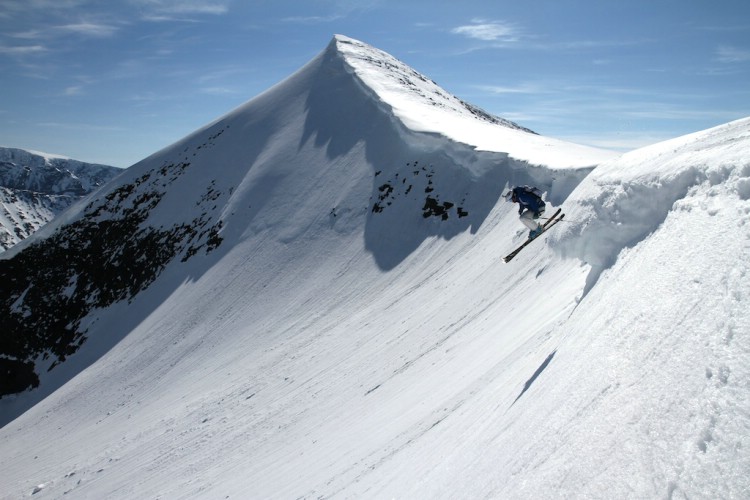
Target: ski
(550,222)
(552,218)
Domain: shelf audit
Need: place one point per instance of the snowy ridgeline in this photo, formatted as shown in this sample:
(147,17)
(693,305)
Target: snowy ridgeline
(323,141)
(425,107)
(658,352)
(626,199)
(36,187)
(319,309)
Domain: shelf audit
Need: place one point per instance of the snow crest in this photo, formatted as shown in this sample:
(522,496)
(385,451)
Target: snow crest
(320,310)
(405,87)
(625,200)
(423,106)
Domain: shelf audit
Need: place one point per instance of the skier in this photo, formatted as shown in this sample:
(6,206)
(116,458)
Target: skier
(531,207)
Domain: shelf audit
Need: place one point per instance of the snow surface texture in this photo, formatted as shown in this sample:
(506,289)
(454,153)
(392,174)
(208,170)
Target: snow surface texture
(36,187)
(423,106)
(348,338)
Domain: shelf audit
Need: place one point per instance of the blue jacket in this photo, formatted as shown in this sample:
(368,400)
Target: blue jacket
(528,200)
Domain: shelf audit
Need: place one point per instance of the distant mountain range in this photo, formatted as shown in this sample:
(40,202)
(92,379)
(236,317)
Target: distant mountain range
(36,187)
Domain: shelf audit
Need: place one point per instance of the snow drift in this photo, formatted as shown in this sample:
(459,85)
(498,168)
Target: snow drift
(329,314)
(625,200)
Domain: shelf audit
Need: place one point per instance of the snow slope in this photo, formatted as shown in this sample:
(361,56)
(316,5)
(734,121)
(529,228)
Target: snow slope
(424,107)
(344,336)
(35,187)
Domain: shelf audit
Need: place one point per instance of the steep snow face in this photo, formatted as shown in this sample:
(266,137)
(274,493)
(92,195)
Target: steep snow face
(36,187)
(411,94)
(626,199)
(425,107)
(652,366)
(318,152)
(306,298)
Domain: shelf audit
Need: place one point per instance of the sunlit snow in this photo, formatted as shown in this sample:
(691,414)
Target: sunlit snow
(350,339)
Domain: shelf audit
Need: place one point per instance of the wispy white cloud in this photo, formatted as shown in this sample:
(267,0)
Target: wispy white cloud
(89,29)
(73,90)
(312,19)
(625,126)
(81,28)
(33,34)
(19,50)
(525,88)
(89,127)
(171,10)
(562,88)
(629,117)
(731,54)
(489,31)
(335,10)
(726,28)
(219,91)
(665,112)
(504,34)
(221,73)
(592,44)
(14,7)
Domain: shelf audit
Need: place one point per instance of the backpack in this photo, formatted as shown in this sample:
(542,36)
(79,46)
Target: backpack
(533,190)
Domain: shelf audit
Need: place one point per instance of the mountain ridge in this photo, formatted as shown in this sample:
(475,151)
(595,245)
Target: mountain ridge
(362,58)
(35,187)
(235,178)
(278,309)
(422,106)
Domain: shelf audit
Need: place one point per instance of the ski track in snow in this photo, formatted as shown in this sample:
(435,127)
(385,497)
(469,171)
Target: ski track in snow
(349,341)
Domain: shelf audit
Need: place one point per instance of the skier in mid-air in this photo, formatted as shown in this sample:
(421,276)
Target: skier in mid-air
(531,207)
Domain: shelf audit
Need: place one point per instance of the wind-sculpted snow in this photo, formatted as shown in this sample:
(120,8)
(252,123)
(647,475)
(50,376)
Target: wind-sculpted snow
(421,184)
(422,106)
(316,155)
(307,299)
(400,84)
(624,200)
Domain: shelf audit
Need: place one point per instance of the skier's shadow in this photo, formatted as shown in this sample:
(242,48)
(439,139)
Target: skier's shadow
(536,374)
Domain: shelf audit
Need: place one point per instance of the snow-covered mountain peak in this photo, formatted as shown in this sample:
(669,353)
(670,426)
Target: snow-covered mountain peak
(314,161)
(306,298)
(408,91)
(423,106)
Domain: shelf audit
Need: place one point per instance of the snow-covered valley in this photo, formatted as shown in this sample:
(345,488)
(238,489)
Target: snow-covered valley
(326,312)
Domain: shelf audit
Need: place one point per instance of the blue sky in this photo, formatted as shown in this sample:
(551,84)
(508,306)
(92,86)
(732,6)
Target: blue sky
(114,81)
